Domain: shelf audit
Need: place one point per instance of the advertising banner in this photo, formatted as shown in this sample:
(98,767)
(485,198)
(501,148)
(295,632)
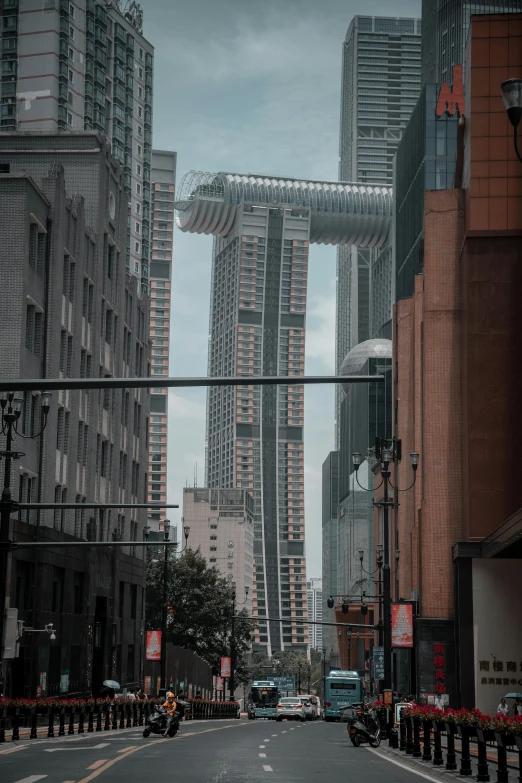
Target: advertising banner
(402,625)
(148,685)
(153,646)
(226,666)
(219,684)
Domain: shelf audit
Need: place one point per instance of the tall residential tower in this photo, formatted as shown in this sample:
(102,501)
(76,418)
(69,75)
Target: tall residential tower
(85,65)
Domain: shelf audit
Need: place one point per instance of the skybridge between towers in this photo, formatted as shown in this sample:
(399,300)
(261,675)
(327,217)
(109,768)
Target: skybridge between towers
(341,213)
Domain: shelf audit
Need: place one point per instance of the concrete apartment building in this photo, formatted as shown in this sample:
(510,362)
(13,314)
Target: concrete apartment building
(163,185)
(221,525)
(70,309)
(85,65)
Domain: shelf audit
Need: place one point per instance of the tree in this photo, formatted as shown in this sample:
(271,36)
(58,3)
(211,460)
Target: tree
(199,601)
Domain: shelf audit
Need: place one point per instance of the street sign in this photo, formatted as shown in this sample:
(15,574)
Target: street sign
(284,683)
(378,663)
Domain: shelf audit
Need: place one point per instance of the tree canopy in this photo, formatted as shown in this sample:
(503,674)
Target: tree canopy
(199,601)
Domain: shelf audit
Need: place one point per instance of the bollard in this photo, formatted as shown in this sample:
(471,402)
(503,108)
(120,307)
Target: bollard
(16,726)
(71,722)
(426,753)
(34,733)
(134,710)
(416,747)
(50,729)
(81,719)
(114,717)
(394,739)
(465,758)
(2,727)
(409,737)
(61,723)
(502,767)
(107,725)
(438,760)
(90,720)
(451,757)
(140,722)
(482,767)
(99,719)
(122,716)
(128,712)
(402,735)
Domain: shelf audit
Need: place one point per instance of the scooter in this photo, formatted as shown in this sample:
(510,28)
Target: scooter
(157,721)
(365,728)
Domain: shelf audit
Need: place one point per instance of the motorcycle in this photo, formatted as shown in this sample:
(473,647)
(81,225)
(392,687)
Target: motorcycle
(157,721)
(365,727)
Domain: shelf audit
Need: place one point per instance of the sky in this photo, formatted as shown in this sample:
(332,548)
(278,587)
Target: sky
(251,86)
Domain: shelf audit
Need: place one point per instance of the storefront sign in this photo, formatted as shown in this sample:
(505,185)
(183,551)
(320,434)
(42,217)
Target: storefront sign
(402,625)
(153,646)
(219,684)
(226,666)
(378,663)
(439,664)
(452,98)
(504,672)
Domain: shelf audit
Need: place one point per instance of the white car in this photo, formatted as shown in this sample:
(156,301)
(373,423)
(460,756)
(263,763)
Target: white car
(290,708)
(310,705)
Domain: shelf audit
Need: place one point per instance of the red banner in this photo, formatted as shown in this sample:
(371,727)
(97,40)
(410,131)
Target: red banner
(402,625)
(219,684)
(153,646)
(226,666)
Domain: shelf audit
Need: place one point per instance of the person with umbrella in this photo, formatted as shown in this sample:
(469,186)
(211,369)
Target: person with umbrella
(517,706)
(109,688)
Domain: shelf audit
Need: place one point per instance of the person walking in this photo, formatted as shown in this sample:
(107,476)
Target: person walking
(517,707)
(439,702)
(503,708)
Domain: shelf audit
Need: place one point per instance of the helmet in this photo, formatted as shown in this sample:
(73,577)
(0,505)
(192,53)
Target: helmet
(170,695)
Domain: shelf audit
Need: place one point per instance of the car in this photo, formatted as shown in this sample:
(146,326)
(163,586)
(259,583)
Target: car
(310,705)
(290,708)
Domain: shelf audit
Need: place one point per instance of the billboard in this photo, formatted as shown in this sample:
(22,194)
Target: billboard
(153,646)
(226,665)
(402,625)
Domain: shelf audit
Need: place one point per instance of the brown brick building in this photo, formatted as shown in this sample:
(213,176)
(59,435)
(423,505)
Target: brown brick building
(457,386)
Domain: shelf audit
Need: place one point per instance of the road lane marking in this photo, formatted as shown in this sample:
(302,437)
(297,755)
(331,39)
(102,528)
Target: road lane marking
(124,750)
(13,750)
(262,746)
(98,763)
(89,747)
(262,755)
(31,779)
(274,735)
(267,740)
(404,766)
(267,768)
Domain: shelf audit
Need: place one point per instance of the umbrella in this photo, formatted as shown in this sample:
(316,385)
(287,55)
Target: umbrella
(111,684)
(513,696)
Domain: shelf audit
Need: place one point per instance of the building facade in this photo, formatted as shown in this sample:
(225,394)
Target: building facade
(380,87)
(163,185)
(221,525)
(459,528)
(330,544)
(314,591)
(73,311)
(85,65)
(445,29)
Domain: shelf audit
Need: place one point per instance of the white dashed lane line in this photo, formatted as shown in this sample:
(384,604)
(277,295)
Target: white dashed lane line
(31,779)
(262,755)
(262,746)
(267,768)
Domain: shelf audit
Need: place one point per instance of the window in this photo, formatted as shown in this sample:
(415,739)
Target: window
(134,601)
(121,599)
(138,188)
(140,130)
(137,247)
(69,119)
(139,150)
(140,112)
(140,53)
(72,10)
(71,75)
(136,267)
(78,592)
(137,227)
(140,92)
(140,73)
(57,590)
(138,170)
(71,54)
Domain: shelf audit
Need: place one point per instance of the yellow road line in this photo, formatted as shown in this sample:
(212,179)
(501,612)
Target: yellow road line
(129,747)
(97,764)
(113,761)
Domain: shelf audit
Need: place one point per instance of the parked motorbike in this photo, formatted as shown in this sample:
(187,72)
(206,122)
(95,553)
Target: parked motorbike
(157,721)
(365,727)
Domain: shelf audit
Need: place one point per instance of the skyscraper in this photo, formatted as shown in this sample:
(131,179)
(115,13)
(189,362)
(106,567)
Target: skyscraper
(263,227)
(445,25)
(85,65)
(380,87)
(163,184)
(314,592)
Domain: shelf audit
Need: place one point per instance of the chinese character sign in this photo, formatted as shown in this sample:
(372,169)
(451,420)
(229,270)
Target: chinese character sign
(378,663)
(402,625)
(153,646)
(226,666)
(439,664)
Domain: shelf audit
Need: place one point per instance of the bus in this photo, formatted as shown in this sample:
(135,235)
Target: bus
(263,701)
(341,688)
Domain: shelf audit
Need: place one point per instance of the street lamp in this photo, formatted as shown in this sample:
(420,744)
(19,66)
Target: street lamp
(10,411)
(512,97)
(386,451)
(164,605)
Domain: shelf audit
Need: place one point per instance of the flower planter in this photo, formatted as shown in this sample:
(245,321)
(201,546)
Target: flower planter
(504,740)
(451,728)
(438,726)
(485,735)
(466,732)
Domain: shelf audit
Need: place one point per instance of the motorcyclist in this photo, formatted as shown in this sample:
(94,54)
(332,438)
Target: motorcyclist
(170,706)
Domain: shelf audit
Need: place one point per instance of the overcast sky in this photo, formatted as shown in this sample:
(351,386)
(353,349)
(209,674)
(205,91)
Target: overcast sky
(251,86)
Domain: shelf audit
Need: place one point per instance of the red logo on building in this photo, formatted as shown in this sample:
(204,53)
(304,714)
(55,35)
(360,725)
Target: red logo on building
(452,98)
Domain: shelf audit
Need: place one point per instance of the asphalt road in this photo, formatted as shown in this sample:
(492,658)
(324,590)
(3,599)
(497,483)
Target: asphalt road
(239,751)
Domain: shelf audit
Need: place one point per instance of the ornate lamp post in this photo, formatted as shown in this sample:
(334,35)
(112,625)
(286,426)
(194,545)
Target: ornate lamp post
(512,97)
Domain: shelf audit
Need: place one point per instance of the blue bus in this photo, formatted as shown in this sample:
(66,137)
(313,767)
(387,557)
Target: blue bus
(341,688)
(263,701)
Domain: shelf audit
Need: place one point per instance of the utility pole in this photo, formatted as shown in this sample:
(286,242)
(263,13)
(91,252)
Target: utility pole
(385,473)
(231,682)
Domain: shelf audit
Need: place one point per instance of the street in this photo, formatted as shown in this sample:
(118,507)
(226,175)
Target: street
(202,752)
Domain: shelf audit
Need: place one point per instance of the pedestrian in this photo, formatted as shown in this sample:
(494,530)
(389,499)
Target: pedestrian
(503,708)
(517,707)
(131,695)
(140,695)
(197,696)
(439,702)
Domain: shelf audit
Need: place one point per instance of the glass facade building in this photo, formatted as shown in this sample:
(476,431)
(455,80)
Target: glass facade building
(425,160)
(445,25)
(380,87)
